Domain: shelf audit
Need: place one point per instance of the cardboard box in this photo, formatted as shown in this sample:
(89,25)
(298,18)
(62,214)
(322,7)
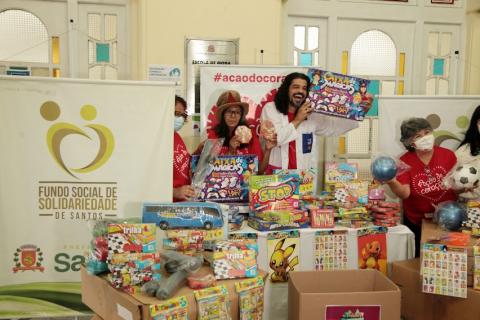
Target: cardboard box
(112,304)
(418,305)
(415,303)
(310,292)
(432,231)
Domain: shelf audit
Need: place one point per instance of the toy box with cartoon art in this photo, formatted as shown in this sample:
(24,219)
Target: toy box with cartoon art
(228,180)
(235,259)
(175,308)
(251,298)
(213,303)
(191,240)
(274,192)
(339,95)
(352,191)
(131,254)
(322,217)
(308,179)
(339,172)
(476,267)
(133,237)
(130,270)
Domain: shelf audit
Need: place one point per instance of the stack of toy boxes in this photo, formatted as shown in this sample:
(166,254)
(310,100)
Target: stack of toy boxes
(132,256)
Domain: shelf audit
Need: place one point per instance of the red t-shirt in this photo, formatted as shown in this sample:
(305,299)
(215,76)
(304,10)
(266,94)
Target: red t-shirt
(181,163)
(426,183)
(253,147)
(292,147)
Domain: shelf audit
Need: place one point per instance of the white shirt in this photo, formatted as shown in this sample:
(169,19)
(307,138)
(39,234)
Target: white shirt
(463,157)
(304,135)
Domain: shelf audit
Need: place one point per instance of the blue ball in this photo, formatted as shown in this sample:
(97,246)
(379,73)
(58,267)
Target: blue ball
(450,215)
(383,168)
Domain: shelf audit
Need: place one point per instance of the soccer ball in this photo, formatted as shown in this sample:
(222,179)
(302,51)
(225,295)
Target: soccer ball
(466,176)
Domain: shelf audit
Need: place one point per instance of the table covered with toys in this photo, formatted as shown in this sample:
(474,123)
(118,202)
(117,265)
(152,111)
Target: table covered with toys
(243,223)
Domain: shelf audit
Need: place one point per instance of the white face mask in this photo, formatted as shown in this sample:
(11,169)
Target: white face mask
(178,124)
(424,143)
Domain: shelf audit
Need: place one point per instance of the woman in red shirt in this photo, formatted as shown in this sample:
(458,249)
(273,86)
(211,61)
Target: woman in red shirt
(232,126)
(421,187)
(182,190)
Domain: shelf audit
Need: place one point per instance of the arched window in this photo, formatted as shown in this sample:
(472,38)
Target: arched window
(373,53)
(23,36)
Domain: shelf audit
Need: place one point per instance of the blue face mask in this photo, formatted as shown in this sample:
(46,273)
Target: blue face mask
(178,124)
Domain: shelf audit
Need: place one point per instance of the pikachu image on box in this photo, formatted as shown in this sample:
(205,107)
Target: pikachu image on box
(280,263)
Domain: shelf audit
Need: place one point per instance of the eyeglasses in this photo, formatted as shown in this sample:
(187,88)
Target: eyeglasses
(233,112)
(181,114)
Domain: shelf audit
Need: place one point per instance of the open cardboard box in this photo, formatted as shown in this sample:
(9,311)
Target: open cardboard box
(423,306)
(415,303)
(310,292)
(110,303)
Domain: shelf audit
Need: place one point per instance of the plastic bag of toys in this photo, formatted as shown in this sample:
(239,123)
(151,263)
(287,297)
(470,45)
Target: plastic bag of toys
(210,151)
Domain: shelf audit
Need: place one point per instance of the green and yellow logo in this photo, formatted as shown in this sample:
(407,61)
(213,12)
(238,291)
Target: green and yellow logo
(50,111)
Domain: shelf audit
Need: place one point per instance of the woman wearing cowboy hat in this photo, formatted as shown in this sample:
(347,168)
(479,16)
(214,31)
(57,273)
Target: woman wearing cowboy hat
(233,127)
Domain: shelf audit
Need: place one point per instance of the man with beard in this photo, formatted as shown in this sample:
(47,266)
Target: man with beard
(296,126)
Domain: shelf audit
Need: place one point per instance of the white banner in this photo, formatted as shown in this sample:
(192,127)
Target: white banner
(449,117)
(254,83)
(74,151)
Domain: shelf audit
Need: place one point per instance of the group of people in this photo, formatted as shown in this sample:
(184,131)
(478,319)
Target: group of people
(293,146)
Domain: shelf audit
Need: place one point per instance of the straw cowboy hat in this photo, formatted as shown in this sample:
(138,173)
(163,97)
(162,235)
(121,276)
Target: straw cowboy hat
(228,99)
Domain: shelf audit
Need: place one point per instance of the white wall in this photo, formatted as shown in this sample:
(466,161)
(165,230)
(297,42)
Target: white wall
(163,27)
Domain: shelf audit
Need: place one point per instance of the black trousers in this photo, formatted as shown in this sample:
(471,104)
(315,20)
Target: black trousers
(417,231)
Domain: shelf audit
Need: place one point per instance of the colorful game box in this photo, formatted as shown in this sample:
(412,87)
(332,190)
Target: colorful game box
(340,172)
(339,95)
(476,267)
(274,192)
(444,270)
(308,179)
(228,180)
(175,308)
(322,217)
(213,303)
(352,191)
(234,259)
(250,296)
(331,250)
(127,238)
